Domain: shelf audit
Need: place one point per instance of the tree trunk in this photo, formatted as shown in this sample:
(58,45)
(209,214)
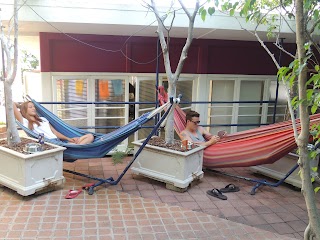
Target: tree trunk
(313,229)
(173,78)
(12,131)
(10,73)
(169,130)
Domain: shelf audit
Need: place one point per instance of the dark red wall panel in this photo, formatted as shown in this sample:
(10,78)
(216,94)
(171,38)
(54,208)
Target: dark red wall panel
(60,53)
(144,57)
(70,56)
(239,58)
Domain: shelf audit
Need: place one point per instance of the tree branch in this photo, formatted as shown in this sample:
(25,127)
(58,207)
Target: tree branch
(12,75)
(284,84)
(285,51)
(189,38)
(313,27)
(163,43)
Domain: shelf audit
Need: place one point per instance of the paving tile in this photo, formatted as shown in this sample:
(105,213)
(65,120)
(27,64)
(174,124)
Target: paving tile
(237,202)
(298,225)
(292,207)
(271,218)
(254,220)
(266,227)
(245,210)
(228,212)
(282,228)
(286,217)
(206,205)
(302,215)
(262,209)
(238,219)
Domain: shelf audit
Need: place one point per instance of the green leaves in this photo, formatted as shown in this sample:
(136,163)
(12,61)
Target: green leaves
(290,75)
(203,14)
(210,10)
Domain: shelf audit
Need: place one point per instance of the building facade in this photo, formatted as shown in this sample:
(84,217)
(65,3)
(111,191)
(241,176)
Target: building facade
(99,51)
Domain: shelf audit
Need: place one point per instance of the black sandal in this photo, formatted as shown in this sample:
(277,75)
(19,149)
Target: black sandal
(217,193)
(230,188)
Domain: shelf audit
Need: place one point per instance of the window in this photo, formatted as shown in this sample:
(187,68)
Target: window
(250,113)
(234,103)
(70,91)
(106,114)
(221,113)
(282,105)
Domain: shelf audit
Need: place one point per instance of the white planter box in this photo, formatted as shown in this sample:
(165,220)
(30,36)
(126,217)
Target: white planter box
(28,174)
(175,168)
(280,168)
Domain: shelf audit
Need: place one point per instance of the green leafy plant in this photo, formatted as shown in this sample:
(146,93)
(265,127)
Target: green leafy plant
(118,156)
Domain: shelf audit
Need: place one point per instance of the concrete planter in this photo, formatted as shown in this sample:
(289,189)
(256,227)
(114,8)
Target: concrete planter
(28,174)
(280,168)
(177,169)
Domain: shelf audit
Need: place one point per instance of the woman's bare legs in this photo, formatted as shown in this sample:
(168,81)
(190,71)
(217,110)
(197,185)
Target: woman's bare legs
(85,139)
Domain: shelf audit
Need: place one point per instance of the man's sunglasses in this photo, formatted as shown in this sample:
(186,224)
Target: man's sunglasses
(195,122)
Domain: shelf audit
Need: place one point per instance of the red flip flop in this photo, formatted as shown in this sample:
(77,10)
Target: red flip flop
(73,194)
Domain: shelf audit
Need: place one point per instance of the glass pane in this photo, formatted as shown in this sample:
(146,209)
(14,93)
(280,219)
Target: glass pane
(221,109)
(147,93)
(221,113)
(185,88)
(72,90)
(250,113)
(147,128)
(248,120)
(281,102)
(222,91)
(109,115)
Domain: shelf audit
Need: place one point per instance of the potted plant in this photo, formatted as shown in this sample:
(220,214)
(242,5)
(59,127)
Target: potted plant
(24,173)
(173,164)
(177,168)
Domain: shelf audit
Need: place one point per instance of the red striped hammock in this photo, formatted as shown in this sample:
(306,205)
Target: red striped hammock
(262,145)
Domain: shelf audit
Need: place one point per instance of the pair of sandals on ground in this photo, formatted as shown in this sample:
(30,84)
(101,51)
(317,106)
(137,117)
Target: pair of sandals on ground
(219,193)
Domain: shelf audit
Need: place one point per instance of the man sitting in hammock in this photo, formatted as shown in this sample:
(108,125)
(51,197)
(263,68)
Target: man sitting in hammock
(195,133)
(29,118)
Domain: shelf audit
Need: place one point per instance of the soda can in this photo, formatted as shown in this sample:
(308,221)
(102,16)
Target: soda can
(41,138)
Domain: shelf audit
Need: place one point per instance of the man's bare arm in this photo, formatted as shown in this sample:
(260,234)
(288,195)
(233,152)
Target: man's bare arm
(184,136)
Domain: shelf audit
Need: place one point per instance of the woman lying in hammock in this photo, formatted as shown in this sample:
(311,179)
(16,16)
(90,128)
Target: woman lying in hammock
(29,118)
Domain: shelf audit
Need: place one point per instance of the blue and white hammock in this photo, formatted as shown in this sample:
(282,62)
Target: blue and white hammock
(102,144)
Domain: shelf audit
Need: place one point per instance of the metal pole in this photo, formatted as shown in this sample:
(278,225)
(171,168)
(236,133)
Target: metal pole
(277,89)
(156,119)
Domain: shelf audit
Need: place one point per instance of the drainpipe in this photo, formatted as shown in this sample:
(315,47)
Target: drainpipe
(277,89)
